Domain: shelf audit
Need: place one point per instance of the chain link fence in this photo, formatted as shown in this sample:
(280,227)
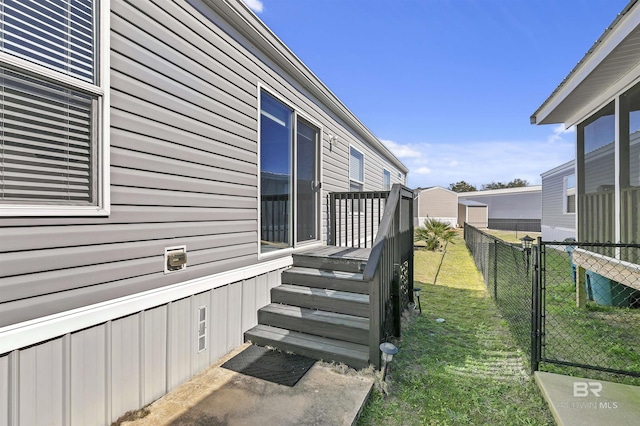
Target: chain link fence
(506,269)
(589,314)
(570,305)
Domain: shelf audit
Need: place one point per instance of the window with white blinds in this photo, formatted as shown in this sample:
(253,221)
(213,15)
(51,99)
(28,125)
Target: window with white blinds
(56,34)
(51,142)
(46,148)
(356,167)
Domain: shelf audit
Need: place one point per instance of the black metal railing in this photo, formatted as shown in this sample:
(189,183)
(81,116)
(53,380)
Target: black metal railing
(389,270)
(275,218)
(355,217)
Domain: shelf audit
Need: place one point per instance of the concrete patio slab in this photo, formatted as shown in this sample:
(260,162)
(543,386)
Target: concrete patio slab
(585,402)
(219,396)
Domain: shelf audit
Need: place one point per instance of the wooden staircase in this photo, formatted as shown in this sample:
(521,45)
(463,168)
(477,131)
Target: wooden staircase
(321,309)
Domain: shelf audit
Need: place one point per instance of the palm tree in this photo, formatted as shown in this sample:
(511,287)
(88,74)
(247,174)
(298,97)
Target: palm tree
(434,233)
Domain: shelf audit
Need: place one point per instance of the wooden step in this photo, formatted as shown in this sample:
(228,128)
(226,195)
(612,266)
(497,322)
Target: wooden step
(348,328)
(333,259)
(323,299)
(319,278)
(322,348)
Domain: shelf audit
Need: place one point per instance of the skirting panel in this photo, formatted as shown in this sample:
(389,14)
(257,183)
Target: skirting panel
(93,376)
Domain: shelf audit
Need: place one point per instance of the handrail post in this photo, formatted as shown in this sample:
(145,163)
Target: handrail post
(332,214)
(411,252)
(374,320)
(395,300)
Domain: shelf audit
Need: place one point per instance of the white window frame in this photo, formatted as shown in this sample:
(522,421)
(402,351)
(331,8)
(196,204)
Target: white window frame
(386,186)
(360,182)
(296,114)
(102,117)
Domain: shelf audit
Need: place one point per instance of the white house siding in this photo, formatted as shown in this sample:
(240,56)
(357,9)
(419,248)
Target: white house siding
(556,224)
(184,108)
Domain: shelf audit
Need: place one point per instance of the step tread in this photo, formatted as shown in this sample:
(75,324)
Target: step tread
(318,315)
(321,345)
(320,292)
(331,274)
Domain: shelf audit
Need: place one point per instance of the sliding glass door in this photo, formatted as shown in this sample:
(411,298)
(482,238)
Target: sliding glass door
(307,185)
(289,177)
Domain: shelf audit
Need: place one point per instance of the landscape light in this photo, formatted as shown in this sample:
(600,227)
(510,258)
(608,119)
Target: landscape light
(388,351)
(416,296)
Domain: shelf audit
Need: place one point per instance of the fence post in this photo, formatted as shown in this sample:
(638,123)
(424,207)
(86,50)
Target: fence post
(495,269)
(536,306)
(581,287)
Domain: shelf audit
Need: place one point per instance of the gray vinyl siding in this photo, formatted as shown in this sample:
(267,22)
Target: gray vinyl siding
(183,171)
(184,165)
(91,377)
(553,203)
(511,206)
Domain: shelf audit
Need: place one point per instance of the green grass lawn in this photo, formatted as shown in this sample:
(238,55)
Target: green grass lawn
(464,371)
(604,336)
(511,236)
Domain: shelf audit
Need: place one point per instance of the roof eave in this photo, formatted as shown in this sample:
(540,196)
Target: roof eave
(625,23)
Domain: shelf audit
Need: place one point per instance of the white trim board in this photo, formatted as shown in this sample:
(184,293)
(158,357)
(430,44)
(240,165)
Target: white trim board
(30,332)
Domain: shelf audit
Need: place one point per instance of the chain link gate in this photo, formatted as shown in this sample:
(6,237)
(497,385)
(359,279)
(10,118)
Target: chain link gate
(585,310)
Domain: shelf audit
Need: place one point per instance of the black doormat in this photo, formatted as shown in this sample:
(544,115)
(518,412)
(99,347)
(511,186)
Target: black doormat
(271,365)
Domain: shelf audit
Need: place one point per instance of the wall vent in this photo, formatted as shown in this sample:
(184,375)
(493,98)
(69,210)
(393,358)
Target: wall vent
(175,259)
(202,328)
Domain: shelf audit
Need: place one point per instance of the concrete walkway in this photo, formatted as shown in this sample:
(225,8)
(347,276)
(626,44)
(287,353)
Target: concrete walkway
(585,402)
(219,396)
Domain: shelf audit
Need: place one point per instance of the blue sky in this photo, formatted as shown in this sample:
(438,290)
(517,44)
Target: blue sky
(448,85)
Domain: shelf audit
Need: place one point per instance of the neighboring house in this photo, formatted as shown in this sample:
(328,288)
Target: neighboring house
(511,209)
(474,213)
(135,134)
(601,97)
(438,203)
(559,202)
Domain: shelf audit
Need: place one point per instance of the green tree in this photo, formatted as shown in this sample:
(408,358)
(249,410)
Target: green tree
(493,185)
(516,183)
(462,186)
(435,233)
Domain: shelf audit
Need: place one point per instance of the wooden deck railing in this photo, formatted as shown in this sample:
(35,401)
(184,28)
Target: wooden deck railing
(382,220)
(355,217)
